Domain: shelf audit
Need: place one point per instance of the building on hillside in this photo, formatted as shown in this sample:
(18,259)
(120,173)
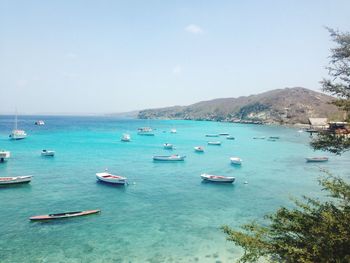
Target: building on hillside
(318,123)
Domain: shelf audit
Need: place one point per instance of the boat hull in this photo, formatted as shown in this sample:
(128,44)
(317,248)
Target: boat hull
(217,178)
(64,215)
(214,143)
(236,161)
(316,159)
(15,180)
(111,179)
(169,158)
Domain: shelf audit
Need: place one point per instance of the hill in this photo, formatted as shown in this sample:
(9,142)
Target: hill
(288,105)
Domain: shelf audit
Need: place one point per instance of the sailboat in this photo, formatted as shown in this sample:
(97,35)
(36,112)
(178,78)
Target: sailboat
(17,134)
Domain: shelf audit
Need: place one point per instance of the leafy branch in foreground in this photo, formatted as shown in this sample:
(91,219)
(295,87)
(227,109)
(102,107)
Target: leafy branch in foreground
(337,85)
(313,231)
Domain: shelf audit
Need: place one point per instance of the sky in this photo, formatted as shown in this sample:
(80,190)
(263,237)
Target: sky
(84,57)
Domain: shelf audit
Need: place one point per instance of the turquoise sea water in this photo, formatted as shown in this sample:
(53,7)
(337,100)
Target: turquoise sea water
(166,214)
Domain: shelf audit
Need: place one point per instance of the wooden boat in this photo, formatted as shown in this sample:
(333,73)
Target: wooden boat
(212,135)
(230,137)
(199,149)
(236,160)
(217,178)
(214,143)
(64,215)
(4,155)
(47,153)
(112,179)
(171,158)
(15,180)
(316,159)
(168,146)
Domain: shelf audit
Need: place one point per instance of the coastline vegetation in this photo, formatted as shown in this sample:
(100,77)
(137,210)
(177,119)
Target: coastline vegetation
(313,231)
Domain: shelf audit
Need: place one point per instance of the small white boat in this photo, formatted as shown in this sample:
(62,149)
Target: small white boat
(236,160)
(212,135)
(40,122)
(171,158)
(168,146)
(17,134)
(214,143)
(173,131)
(125,138)
(316,159)
(199,149)
(15,180)
(110,178)
(230,137)
(259,138)
(146,131)
(4,156)
(217,178)
(47,153)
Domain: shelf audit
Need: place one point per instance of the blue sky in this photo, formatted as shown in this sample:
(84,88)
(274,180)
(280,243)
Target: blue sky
(114,56)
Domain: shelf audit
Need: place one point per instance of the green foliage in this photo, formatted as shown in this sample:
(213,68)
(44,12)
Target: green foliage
(333,143)
(339,86)
(313,231)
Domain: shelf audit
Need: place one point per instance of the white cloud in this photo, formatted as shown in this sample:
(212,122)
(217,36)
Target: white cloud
(194,29)
(177,70)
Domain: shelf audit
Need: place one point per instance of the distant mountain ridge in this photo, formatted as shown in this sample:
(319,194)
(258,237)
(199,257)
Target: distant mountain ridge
(288,105)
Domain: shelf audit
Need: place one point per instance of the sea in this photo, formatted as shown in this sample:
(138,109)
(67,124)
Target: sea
(166,213)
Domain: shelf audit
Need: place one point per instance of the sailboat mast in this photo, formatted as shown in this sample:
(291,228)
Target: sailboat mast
(16,121)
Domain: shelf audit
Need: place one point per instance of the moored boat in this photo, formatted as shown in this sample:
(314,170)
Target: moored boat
(259,137)
(217,178)
(214,143)
(212,135)
(39,122)
(112,179)
(64,215)
(4,155)
(224,134)
(316,159)
(47,153)
(168,146)
(125,138)
(173,131)
(170,158)
(230,137)
(274,137)
(15,180)
(236,160)
(146,131)
(199,149)
(17,134)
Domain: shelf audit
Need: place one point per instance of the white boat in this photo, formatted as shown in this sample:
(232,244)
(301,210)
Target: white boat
(212,135)
(4,155)
(40,122)
(110,178)
(15,180)
(168,146)
(236,160)
(172,158)
(126,138)
(230,137)
(217,178)
(47,153)
(147,131)
(214,143)
(17,134)
(173,131)
(316,159)
(199,149)
(259,138)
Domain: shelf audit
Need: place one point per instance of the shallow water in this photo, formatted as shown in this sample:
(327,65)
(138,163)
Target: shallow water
(166,214)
